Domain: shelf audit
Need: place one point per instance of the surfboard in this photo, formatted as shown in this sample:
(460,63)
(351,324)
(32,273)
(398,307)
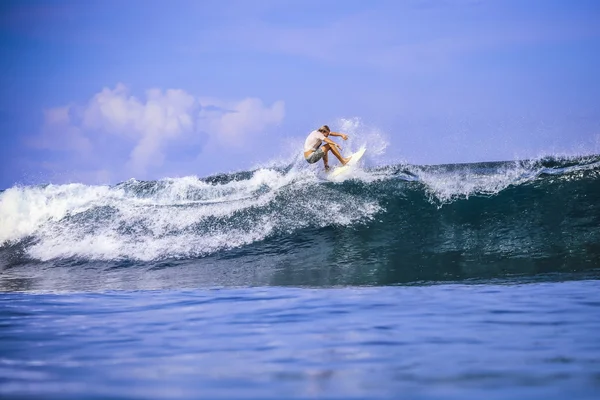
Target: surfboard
(337,171)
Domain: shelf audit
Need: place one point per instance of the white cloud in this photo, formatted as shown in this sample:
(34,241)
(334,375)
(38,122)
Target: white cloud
(145,127)
(162,117)
(58,133)
(233,123)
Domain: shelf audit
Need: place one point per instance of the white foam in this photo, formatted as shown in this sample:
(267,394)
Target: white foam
(178,217)
(363,136)
(444,186)
(23,210)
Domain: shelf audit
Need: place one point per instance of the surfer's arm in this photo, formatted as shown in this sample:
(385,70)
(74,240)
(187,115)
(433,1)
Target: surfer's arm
(331,142)
(339,134)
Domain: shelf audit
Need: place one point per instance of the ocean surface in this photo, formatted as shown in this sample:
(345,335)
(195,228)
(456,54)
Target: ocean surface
(461,281)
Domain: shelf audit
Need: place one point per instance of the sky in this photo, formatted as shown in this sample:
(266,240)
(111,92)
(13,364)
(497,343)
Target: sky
(102,91)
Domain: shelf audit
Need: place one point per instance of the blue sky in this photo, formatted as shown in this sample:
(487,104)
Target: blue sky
(101,91)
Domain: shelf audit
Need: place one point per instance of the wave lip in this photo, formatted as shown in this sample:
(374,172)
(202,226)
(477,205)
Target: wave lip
(446,183)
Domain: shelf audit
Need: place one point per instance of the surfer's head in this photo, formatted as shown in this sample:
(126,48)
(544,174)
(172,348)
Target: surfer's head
(324,130)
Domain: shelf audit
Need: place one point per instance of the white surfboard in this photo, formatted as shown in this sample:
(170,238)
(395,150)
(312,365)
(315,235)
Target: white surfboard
(337,171)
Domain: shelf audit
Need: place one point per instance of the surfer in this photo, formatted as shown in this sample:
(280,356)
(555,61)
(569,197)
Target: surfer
(313,151)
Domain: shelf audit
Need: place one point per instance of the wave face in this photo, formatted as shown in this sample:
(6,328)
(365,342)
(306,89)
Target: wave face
(290,226)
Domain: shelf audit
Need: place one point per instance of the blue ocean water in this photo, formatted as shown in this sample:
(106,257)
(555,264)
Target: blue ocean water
(456,281)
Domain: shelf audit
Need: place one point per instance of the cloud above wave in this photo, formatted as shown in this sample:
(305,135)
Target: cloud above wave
(114,123)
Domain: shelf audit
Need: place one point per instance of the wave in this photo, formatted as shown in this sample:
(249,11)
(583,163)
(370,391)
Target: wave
(183,217)
(504,210)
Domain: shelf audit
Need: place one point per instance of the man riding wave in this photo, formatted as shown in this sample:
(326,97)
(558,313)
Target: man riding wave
(313,151)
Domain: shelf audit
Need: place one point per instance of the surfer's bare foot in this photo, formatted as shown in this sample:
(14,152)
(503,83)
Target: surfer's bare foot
(346,160)
(327,168)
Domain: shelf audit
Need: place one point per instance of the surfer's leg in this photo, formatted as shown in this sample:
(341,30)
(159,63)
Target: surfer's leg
(325,161)
(335,152)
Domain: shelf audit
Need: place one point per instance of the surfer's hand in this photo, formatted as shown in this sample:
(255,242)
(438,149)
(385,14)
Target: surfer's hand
(345,137)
